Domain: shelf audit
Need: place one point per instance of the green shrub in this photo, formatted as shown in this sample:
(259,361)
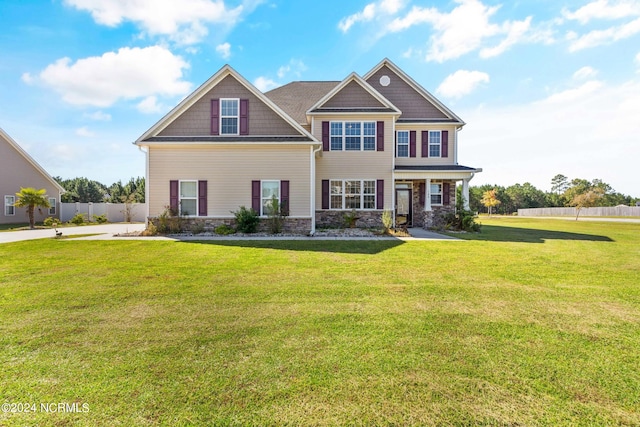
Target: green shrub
(78,219)
(51,222)
(169,221)
(151,230)
(224,230)
(350,218)
(276,215)
(100,219)
(247,220)
(197,228)
(387,220)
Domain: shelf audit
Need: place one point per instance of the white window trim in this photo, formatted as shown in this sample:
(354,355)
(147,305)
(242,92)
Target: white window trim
(343,194)
(7,204)
(398,143)
(439,145)
(362,135)
(53,205)
(180,198)
(439,183)
(237,117)
(262,199)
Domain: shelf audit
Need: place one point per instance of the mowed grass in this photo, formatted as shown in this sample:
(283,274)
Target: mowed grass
(531,322)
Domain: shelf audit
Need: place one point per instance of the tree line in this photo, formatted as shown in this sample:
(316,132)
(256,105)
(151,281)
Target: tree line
(85,190)
(564,192)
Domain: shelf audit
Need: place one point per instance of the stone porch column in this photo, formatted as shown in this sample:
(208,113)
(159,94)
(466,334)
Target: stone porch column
(465,193)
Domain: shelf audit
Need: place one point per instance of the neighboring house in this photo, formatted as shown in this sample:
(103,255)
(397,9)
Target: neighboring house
(18,169)
(372,143)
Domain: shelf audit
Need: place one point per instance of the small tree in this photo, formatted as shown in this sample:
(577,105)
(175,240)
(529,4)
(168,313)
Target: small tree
(31,198)
(587,200)
(490,199)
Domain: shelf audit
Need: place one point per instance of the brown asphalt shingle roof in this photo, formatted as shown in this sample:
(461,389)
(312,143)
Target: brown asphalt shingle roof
(296,98)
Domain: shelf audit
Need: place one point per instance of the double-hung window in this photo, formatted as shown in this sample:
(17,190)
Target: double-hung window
(353,136)
(9,209)
(436,193)
(229,116)
(270,190)
(353,194)
(435,143)
(402,149)
(188,198)
(52,205)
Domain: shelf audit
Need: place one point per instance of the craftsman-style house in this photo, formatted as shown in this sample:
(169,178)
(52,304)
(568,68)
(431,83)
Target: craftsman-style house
(323,149)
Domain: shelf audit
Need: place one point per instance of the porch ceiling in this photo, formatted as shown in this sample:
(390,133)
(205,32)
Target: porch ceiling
(435,172)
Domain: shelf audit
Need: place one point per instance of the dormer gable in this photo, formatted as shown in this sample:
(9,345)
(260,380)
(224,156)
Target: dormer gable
(415,102)
(353,94)
(225,108)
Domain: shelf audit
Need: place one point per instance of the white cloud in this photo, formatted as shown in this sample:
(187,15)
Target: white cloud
(461,83)
(638,61)
(465,29)
(585,73)
(604,37)
(370,12)
(603,9)
(98,116)
(85,132)
(581,132)
(128,73)
(295,67)
(27,78)
(183,21)
(224,50)
(150,105)
(265,84)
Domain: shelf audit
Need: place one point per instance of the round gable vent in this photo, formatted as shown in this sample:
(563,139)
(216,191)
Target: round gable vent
(385,80)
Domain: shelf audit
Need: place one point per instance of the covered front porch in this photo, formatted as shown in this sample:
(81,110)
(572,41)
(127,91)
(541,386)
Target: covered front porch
(421,193)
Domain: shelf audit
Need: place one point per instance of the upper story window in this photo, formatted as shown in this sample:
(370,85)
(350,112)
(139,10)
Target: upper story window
(9,209)
(402,138)
(229,116)
(353,136)
(435,143)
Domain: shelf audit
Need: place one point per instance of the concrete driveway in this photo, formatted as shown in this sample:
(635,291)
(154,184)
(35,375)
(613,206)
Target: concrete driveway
(109,229)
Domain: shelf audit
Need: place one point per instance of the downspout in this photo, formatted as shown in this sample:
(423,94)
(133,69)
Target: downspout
(313,187)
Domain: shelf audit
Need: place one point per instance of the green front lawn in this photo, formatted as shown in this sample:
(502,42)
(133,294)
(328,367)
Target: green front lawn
(532,322)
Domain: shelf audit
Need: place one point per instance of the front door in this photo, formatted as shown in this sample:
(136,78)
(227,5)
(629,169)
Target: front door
(403,207)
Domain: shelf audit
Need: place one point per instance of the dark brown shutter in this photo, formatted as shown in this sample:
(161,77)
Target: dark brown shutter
(422,190)
(446,199)
(202,198)
(244,117)
(325,136)
(255,196)
(412,143)
(215,114)
(425,143)
(173,195)
(380,194)
(284,198)
(445,143)
(379,136)
(325,194)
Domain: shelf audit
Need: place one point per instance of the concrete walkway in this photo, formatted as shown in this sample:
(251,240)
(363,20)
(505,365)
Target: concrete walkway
(104,230)
(107,232)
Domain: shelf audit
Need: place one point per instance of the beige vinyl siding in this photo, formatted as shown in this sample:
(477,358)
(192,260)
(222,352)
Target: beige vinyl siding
(411,103)
(352,95)
(229,170)
(196,121)
(16,172)
(419,160)
(356,164)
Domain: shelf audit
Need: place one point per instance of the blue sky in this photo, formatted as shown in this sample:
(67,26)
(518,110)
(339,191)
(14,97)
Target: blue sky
(545,86)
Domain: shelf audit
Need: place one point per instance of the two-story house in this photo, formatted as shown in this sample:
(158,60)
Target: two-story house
(371,143)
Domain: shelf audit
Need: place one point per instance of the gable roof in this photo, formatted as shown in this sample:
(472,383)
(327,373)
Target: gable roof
(201,91)
(450,115)
(385,105)
(5,136)
(296,98)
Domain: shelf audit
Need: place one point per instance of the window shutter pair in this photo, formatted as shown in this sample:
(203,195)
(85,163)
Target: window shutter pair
(244,117)
(174,196)
(444,143)
(256,199)
(379,136)
(379,194)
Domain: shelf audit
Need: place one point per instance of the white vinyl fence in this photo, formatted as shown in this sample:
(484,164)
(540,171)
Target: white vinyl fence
(602,211)
(115,212)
